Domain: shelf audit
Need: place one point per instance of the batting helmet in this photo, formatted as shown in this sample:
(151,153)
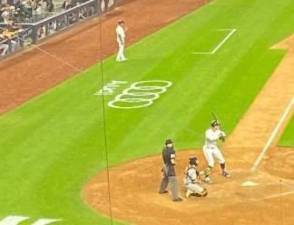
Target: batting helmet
(215,123)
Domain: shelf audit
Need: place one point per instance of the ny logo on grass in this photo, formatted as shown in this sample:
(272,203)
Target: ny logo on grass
(16,220)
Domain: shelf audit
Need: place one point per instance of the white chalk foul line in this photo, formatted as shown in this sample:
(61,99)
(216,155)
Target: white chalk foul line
(58,59)
(61,60)
(232,31)
(279,195)
(273,135)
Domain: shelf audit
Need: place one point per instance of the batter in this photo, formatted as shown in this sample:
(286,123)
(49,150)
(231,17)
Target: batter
(211,150)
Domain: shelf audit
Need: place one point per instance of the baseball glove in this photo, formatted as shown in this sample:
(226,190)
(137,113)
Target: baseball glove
(222,138)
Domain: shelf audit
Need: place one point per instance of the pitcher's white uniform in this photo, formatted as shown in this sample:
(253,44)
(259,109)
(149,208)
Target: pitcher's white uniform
(120,38)
(210,148)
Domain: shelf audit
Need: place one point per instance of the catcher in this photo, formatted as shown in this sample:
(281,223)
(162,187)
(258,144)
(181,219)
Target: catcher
(192,180)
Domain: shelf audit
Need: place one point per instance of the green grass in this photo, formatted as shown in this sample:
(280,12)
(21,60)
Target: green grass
(287,139)
(52,145)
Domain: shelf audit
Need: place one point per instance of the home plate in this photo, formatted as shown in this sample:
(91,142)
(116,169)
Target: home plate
(249,183)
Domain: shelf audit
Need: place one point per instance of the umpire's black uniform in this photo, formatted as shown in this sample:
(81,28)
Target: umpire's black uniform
(169,172)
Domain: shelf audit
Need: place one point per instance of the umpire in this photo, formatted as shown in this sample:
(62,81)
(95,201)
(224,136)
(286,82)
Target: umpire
(169,172)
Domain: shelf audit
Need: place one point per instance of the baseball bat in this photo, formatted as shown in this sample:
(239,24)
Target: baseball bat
(215,117)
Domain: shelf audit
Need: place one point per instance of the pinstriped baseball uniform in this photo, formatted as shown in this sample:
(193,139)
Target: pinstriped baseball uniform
(210,148)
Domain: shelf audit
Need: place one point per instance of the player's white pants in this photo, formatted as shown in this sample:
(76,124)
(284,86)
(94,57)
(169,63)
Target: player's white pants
(211,153)
(4,48)
(120,54)
(195,188)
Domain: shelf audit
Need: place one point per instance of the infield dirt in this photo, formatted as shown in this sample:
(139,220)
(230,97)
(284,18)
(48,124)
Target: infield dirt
(134,186)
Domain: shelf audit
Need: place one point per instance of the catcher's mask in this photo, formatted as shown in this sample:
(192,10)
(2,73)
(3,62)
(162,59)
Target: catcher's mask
(193,161)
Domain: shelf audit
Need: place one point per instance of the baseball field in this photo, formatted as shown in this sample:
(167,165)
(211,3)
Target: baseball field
(86,149)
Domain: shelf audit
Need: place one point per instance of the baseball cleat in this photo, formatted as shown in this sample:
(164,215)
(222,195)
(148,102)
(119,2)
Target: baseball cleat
(196,195)
(178,199)
(204,194)
(188,193)
(226,174)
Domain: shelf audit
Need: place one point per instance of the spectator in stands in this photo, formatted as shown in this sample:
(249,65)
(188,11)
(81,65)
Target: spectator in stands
(67,4)
(9,36)
(20,11)
(106,3)
(41,32)
(2,9)
(12,33)
(6,13)
(4,46)
(37,9)
(52,27)
(25,9)
(13,27)
(49,5)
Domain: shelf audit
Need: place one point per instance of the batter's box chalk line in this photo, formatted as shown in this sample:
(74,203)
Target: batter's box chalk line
(220,44)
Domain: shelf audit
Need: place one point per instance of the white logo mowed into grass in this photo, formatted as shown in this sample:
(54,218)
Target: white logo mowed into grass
(140,94)
(17,220)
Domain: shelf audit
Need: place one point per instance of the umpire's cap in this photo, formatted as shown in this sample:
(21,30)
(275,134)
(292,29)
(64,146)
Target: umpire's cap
(168,141)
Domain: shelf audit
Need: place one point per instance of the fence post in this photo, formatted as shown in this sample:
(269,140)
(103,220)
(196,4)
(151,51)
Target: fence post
(34,34)
(98,7)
